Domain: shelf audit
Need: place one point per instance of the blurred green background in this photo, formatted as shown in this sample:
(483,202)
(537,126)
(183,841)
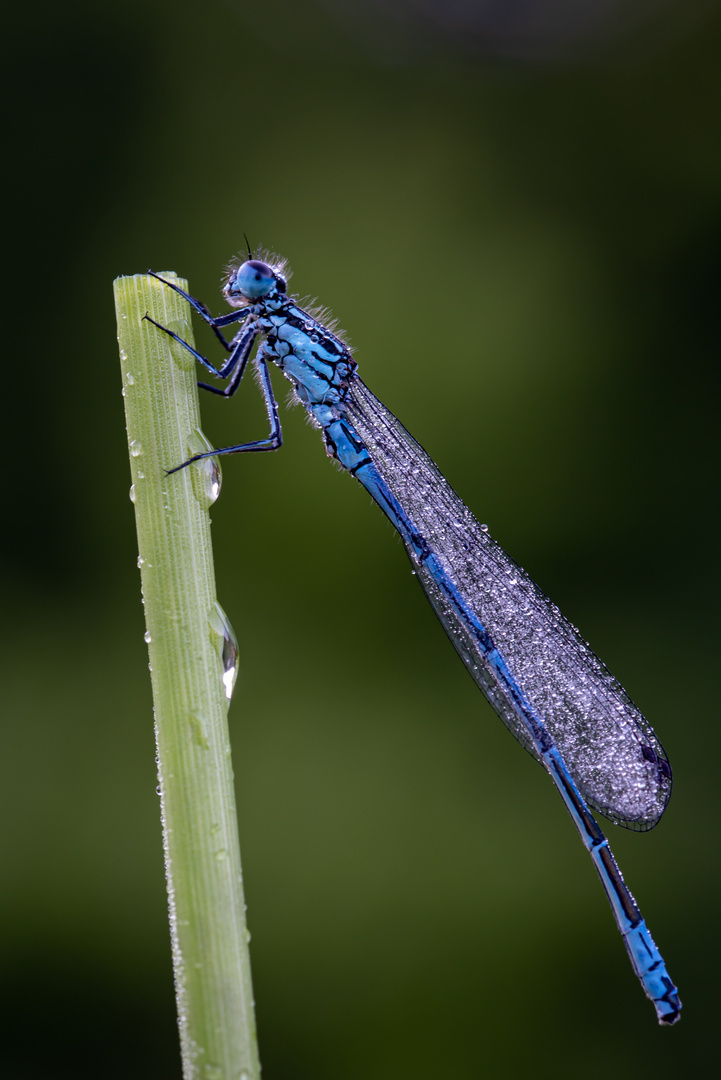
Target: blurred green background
(517,219)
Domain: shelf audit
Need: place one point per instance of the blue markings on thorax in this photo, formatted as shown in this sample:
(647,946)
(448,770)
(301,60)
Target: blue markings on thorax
(316,361)
(319,366)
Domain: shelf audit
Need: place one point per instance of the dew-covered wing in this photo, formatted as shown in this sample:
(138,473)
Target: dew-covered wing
(610,749)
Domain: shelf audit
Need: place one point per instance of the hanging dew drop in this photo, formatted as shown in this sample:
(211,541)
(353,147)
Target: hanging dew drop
(225,642)
(205,475)
(146,637)
(131,493)
(212,478)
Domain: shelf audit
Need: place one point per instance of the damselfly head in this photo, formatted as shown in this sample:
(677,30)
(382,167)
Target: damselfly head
(253,280)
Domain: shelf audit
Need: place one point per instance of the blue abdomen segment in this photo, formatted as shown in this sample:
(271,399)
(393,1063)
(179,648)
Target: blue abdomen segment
(342,442)
(645,958)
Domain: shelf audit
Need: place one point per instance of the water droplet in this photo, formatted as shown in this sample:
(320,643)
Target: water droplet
(123,355)
(141,561)
(123,391)
(205,475)
(131,378)
(221,855)
(146,637)
(247,934)
(224,639)
(136,448)
(132,493)
(141,474)
(484,528)
(184,359)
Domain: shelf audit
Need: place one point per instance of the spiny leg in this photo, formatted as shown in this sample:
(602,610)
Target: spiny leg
(242,347)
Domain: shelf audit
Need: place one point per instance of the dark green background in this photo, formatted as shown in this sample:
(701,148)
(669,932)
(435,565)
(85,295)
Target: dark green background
(523,246)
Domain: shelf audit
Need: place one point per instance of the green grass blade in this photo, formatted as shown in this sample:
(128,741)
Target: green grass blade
(186,646)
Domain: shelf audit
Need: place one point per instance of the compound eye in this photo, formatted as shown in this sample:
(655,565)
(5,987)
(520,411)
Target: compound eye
(254,279)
